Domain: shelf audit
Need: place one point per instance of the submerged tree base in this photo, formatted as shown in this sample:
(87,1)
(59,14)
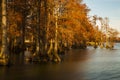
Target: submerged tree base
(4,61)
(42,59)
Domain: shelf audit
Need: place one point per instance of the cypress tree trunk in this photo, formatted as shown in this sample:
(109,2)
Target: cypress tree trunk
(45,27)
(56,40)
(4,49)
(38,28)
(56,33)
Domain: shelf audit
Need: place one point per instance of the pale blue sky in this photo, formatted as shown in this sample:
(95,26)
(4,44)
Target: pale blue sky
(106,8)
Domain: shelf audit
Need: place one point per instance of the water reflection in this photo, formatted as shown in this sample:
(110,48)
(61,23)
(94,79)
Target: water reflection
(89,64)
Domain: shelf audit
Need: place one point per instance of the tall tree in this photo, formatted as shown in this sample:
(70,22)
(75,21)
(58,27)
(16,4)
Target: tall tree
(4,50)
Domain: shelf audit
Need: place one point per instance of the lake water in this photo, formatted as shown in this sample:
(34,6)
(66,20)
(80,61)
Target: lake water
(88,64)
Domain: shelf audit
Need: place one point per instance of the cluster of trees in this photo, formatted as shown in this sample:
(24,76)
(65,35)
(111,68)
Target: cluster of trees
(106,35)
(50,26)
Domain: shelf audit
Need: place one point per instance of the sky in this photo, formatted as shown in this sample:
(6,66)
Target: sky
(106,8)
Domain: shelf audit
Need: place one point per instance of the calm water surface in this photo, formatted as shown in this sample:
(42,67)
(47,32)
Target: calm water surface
(88,64)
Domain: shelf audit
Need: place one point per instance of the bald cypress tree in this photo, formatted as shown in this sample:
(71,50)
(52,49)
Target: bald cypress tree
(4,49)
